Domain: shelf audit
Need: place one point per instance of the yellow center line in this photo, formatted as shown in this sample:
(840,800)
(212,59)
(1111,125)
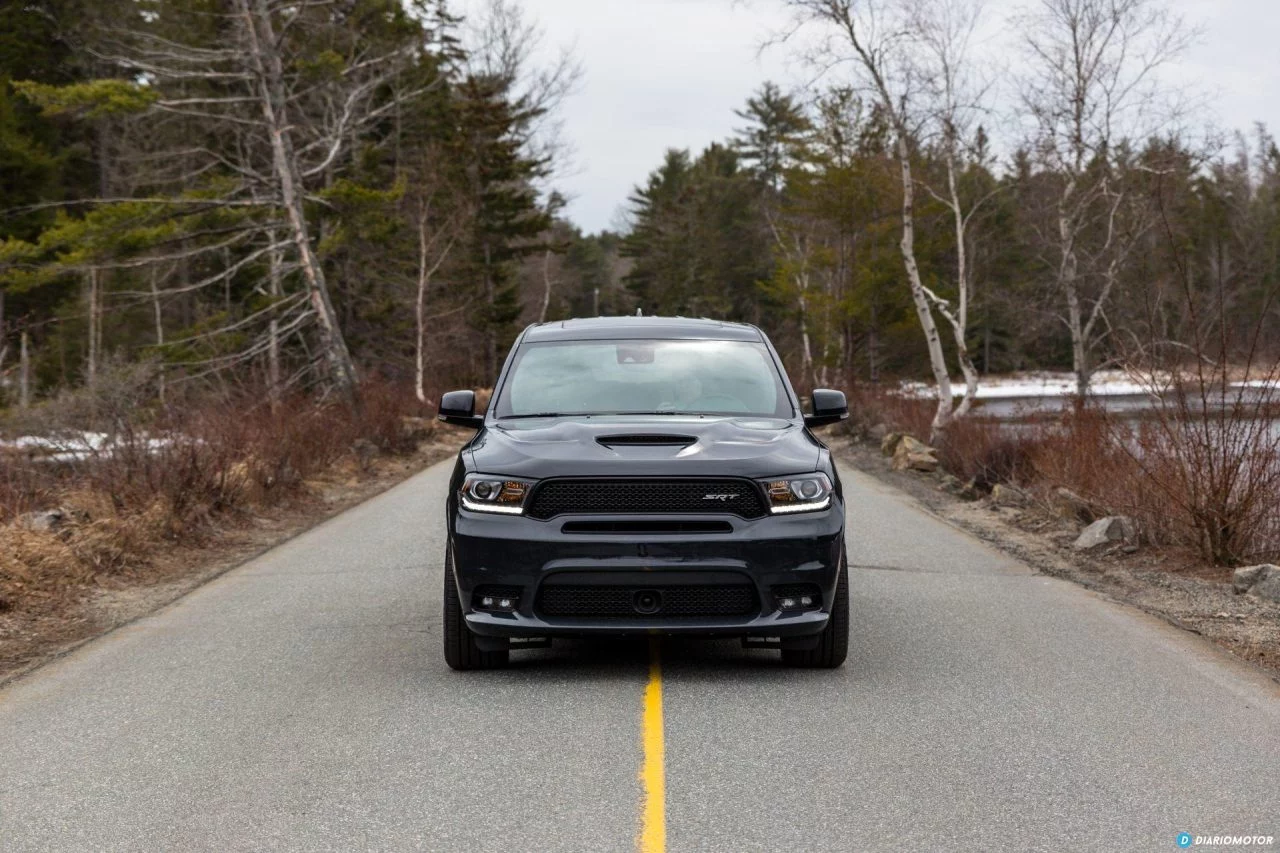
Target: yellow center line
(653,776)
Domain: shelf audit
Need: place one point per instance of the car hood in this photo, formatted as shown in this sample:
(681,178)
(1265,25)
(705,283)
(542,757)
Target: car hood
(640,446)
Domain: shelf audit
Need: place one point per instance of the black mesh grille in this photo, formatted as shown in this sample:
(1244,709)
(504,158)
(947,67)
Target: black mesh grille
(559,497)
(616,602)
(795,590)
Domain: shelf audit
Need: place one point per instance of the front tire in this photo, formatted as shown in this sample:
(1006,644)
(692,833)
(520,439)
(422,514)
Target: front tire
(833,642)
(460,649)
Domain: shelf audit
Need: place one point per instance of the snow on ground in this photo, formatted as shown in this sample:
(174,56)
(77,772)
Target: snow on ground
(77,446)
(1106,383)
(1024,386)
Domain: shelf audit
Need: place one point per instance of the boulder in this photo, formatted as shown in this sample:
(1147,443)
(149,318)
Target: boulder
(890,442)
(878,432)
(45,521)
(1067,504)
(1262,581)
(913,455)
(951,484)
(1106,531)
(1005,495)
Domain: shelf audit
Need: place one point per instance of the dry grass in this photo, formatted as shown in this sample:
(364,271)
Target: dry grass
(173,477)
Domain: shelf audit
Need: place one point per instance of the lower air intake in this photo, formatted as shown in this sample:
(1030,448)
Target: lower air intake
(635,602)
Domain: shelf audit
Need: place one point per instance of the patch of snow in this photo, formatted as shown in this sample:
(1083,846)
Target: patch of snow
(78,446)
(1030,386)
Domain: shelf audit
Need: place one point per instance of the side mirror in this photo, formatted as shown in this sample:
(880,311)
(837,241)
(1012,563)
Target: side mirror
(459,408)
(829,407)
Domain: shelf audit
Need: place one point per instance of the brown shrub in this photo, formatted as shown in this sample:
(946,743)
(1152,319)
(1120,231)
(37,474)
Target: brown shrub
(878,405)
(170,476)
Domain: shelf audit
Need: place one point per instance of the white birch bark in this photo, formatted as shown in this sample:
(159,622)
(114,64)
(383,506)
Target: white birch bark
(265,56)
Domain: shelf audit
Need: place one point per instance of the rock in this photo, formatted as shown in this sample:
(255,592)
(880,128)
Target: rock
(47,521)
(1262,581)
(1003,495)
(1067,504)
(889,444)
(913,455)
(878,432)
(971,491)
(1105,531)
(950,484)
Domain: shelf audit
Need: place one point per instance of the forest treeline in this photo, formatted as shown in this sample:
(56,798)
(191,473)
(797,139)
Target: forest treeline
(1057,212)
(285,195)
(296,195)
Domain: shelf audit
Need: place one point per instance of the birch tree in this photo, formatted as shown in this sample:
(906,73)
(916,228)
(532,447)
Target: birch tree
(1089,83)
(954,99)
(872,38)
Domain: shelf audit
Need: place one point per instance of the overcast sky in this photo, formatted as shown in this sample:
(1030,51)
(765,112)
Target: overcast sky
(669,73)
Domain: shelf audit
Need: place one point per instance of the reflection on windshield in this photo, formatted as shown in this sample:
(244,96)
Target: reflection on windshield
(643,377)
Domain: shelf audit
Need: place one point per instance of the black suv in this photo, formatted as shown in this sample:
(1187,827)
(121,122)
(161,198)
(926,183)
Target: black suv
(644,475)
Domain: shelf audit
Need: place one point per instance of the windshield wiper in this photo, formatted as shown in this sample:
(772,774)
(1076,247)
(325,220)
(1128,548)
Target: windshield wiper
(546,415)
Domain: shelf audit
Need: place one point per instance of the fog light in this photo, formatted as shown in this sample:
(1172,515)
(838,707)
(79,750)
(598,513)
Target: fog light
(496,599)
(795,597)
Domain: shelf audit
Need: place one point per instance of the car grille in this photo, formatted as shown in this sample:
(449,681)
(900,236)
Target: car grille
(560,497)
(620,602)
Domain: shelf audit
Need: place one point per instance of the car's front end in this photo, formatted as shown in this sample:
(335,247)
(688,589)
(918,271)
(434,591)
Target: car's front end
(673,554)
(600,521)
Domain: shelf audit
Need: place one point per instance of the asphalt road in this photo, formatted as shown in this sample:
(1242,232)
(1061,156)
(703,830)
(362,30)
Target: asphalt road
(301,703)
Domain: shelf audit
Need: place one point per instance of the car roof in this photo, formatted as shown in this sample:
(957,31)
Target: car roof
(631,328)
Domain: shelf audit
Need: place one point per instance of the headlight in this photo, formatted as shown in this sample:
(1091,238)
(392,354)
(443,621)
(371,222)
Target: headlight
(484,493)
(806,493)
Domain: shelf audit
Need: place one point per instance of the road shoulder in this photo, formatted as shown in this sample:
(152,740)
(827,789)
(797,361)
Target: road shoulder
(1246,627)
(31,641)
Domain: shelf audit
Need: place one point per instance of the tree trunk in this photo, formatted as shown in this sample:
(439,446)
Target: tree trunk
(270,71)
(1068,269)
(24,371)
(159,320)
(806,364)
(937,360)
(546,290)
(490,334)
(91,369)
(873,346)
(274,389)
(1079,346)
(420,314)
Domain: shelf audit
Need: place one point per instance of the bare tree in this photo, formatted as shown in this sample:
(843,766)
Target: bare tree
(873,38)
(435,242)
(954,99)
(270,142)
(503,44)
(1090,83)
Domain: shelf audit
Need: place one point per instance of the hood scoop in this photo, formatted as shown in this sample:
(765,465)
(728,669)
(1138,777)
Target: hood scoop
(645,440)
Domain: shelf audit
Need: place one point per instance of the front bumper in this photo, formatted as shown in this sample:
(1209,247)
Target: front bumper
(525,553)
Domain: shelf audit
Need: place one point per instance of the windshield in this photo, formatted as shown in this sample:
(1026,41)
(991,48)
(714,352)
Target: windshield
(633,377)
